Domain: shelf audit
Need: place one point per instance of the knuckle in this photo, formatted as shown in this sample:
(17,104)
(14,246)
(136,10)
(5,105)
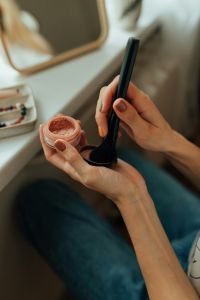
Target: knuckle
(131,116)
(150,128)
(113,83)
(89,177)
(72,156)
(116,78)
(102,89)
(88,180)
(146,97)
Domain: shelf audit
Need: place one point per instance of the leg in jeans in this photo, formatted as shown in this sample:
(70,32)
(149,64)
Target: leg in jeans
(91,259)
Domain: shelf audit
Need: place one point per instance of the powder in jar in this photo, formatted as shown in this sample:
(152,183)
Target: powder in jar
(62,127)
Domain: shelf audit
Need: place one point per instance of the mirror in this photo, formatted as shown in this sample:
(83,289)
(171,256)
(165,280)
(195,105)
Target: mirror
(37,34)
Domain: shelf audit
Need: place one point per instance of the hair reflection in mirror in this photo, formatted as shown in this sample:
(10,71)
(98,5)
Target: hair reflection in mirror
(19,33)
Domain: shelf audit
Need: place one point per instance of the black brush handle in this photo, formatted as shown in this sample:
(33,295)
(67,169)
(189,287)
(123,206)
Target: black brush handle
(121,92)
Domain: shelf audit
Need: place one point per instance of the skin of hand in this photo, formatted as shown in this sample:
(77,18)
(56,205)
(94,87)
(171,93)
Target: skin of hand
(159,265)
(109,182)
(143,122)
(139,117)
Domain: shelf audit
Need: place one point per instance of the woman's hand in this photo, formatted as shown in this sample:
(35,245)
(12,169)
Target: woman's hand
(126,187)
(110,182)
(139,117)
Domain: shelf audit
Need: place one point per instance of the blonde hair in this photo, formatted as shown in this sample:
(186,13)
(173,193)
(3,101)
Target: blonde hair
(17,32)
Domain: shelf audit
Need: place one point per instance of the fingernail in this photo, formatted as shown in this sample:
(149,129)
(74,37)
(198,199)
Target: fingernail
(102,132)
(60,146)
(121,106)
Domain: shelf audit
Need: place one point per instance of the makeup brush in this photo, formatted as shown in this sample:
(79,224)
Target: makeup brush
(105,154)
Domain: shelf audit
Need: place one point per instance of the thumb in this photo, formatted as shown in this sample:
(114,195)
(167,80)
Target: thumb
(127,113)
(73,157)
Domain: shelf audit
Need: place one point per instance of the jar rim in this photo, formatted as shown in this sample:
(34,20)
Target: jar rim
(74,122)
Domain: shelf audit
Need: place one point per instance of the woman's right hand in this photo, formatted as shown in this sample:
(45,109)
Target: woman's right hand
(139,117)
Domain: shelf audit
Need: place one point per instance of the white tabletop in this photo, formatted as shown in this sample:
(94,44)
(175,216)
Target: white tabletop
(65,87)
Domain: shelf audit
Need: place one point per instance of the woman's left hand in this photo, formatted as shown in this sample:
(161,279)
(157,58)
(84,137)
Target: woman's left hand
(126,187)
(120,182)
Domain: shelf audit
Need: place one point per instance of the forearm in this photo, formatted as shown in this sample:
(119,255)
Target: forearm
(186,157)
(160,267)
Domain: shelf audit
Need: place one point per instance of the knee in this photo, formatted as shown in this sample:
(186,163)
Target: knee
(36,203)
(32,196)
(29,204)
(41,193)
(123,282)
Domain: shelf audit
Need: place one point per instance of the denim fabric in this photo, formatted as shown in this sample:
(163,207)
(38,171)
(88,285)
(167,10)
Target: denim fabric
(87,254)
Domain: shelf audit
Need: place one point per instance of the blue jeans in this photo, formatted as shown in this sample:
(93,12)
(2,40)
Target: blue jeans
(85,251)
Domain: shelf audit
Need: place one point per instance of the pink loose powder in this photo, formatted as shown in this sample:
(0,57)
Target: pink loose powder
(62,126)
(64,131)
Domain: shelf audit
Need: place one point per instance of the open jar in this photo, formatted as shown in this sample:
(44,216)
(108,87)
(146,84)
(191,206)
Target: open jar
(62,127)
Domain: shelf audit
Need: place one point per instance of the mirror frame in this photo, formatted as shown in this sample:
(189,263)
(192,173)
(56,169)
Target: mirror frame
(65,55)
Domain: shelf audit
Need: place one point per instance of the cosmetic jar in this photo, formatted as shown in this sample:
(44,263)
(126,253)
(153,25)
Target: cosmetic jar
(62,127)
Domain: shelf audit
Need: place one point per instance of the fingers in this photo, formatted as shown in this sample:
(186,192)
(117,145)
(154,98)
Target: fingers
(105,102)
(47,150)
(128,114)
(73,157)
(144,105)
(67,168)
(100,116)
(127,129)
(58,160)
(103,106)
(108,95)
(139,100)
(55,159)
(51,154)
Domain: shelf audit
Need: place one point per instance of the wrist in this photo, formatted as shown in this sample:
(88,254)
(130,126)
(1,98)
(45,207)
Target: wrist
(134,198)
(177,140)
(137,211)
(171,140)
